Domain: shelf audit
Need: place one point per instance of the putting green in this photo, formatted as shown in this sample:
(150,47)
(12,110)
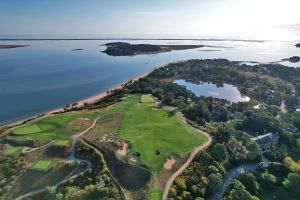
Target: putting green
(156,134)
(11,150)
(43,165)
(27,130)
(155,194)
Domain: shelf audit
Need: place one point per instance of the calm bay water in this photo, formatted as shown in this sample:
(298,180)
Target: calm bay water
(228,92)
(48,74)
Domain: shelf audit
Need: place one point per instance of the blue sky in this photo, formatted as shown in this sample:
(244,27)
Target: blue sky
(224,18)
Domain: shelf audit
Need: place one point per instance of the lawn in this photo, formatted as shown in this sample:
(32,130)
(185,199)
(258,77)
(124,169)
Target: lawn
(155,130)
(11,150)
(155,195)
(62,142)
(43,165)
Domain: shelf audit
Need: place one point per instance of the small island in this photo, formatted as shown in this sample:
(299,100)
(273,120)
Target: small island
(77,49)
(298,45)
(12,46)
(126,49)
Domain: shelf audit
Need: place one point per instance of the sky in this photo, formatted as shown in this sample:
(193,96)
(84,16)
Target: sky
(253,19)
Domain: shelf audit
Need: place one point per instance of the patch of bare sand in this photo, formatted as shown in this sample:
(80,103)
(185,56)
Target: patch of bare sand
(170,162)
(123,149)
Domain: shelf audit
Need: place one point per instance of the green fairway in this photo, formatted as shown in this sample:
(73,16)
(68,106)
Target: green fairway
(62,142)
(49,128)
(27,130)
(43,165)
(11,150)
(155,195)
(155,133)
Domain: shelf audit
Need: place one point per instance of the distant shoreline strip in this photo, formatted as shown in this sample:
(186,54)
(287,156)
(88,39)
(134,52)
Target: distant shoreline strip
(100,39)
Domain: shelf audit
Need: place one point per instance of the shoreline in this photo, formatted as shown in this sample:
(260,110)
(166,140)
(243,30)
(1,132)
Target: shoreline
(94,98)
(80,103)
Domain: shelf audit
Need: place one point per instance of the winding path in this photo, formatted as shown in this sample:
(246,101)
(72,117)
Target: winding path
(29,150)
(186,164)
(70,158)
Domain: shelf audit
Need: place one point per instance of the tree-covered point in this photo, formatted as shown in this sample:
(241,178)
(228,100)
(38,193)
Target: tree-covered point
(298,45)
(294,59)
(126,49)
(267,83)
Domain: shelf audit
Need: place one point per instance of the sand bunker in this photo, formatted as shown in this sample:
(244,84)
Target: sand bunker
(123,149)
(170,162)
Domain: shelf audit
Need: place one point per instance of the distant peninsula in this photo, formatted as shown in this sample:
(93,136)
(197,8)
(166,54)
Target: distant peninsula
(12,46)
(126,49)
(298,45)
(293,59)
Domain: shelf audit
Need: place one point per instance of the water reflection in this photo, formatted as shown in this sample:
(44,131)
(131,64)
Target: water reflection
(227,91)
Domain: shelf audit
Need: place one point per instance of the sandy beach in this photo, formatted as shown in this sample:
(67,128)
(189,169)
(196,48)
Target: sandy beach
(96,97)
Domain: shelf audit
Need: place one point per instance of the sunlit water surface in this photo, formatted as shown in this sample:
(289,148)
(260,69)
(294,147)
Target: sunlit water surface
(48,74)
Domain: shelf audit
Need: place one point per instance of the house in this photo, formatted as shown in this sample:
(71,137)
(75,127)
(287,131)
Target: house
(264,141)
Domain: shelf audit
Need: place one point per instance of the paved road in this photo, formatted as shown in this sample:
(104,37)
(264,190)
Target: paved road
(185,165)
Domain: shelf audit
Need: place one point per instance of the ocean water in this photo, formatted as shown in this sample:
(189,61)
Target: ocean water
(48,74)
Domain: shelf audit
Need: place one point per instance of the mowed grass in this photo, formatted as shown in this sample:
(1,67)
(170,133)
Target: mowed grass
(11,150)
(43,165)
(27,130)
(147,98)
(155,194)
(150,130)
(62,142)
(147,130)
(49,128)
